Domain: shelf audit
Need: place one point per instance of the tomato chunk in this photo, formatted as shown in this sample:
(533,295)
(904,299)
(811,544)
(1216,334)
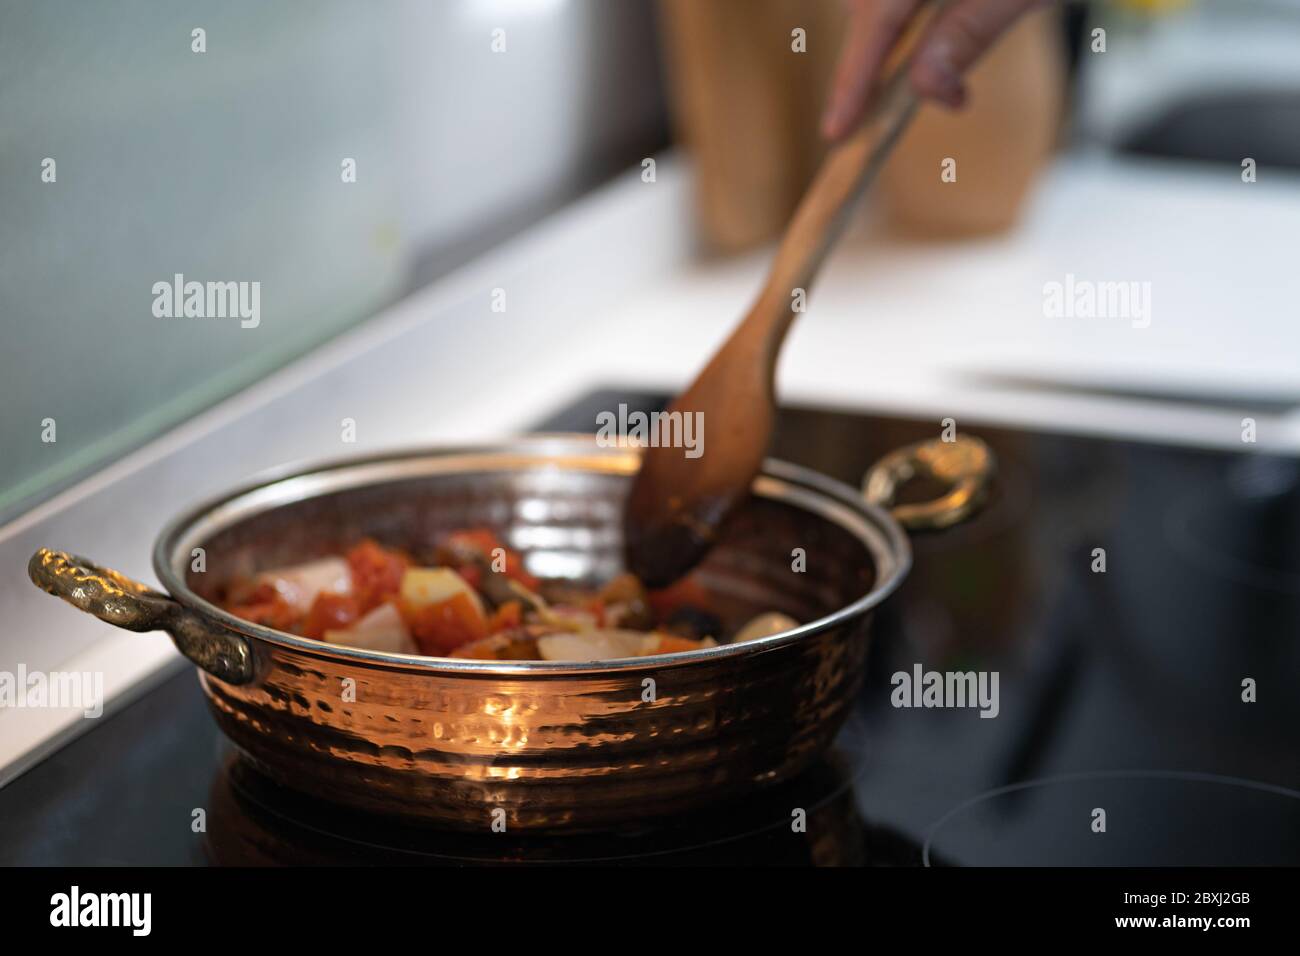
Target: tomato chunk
(508,615)
(478,541)
(376,572)
(331,612)
(483,543)
(274,613)
(671,644)
(266,606)
(440,628)
(473,575)
(683,593)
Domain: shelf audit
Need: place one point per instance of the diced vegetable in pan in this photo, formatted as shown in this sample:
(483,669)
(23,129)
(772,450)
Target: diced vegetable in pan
(381,630)
(473,598)
(765,625)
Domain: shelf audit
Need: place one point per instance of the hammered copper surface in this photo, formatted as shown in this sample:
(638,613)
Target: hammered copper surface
(562,752)
(543,750)
(540,745)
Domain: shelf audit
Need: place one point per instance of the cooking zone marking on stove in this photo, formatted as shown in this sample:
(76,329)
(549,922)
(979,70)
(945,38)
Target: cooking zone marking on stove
(950,689)
(72,909)
(208,300)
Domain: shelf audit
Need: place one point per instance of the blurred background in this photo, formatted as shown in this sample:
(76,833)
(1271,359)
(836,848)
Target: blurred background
(226,165)
(618,171)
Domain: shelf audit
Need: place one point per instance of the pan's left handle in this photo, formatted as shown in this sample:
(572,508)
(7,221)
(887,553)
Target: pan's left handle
(127,603)
(963,466)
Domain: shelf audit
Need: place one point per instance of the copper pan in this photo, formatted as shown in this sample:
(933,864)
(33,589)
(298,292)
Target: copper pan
(533,745)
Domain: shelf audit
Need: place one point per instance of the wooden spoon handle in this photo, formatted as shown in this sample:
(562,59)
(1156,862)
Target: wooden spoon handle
(844,175)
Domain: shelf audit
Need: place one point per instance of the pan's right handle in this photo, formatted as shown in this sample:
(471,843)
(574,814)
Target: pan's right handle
(964,466)
(126,603)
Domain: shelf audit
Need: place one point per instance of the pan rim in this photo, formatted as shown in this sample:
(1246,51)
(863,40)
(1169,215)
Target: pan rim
(883,538)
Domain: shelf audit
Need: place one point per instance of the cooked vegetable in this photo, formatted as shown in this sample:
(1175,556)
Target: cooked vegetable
(765,625)
(264,606)
(626,604)
(331,611)
(473,598)
(482,549)
(376,572)
(381,630)
(506,616)
(672,644)
(685,592)
(440,628)
(299,585)
(593,645)
(422,587)
(688,621)
(513,645)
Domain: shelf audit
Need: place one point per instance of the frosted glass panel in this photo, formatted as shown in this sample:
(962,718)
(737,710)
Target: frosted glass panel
(227,166)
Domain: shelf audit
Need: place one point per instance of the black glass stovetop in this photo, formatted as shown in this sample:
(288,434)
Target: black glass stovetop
(1119,690)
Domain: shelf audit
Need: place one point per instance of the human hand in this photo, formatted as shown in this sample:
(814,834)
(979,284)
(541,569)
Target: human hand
(951,44)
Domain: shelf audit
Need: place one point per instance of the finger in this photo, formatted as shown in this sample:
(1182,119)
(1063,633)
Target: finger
(874,28)
(958,38)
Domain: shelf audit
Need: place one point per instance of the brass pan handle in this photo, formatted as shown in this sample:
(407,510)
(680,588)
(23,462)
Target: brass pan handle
(965,466)
(126,603)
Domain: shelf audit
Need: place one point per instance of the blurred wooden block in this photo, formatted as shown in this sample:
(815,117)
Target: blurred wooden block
(748,109)
(999,142)
(747,106)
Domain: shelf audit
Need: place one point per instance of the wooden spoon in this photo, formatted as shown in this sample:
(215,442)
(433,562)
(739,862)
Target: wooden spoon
(678,503)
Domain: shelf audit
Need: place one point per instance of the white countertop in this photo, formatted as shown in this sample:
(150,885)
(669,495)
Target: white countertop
(606,294)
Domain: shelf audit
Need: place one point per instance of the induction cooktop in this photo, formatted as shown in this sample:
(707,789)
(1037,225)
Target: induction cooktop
(1137,603)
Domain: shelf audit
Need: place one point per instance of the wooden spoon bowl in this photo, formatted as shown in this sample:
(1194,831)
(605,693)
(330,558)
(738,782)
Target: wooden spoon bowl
(678,503)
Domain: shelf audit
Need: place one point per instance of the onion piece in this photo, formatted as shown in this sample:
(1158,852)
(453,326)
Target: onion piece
(765,625)
(381,630)
(595,645)
(299,585)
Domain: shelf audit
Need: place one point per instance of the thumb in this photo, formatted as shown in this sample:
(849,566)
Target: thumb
(957,38)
